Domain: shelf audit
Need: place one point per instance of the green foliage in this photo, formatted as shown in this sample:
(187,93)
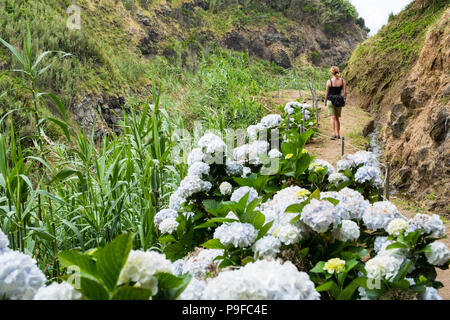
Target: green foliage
(99,274)
(393,49)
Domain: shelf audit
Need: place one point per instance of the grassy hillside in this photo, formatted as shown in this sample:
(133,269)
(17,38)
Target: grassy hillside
(401,76)
(379,62)
(197,73)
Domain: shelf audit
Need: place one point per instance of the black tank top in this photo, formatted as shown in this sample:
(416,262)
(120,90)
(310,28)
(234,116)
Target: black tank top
(335,91)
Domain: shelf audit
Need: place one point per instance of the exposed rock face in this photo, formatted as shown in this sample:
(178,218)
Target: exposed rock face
(86,113)
(284,47)
(416,116)
(300,42)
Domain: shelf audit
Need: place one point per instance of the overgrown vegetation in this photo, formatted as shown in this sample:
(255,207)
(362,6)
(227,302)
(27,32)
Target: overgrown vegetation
(393,49)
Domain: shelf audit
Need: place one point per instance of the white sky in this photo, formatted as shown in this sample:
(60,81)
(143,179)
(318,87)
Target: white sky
(376,12)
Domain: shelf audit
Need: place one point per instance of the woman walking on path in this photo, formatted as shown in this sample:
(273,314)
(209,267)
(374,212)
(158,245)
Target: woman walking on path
(335,86)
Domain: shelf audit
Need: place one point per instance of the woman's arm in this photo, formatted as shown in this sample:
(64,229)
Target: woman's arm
(345,89)
(328,90)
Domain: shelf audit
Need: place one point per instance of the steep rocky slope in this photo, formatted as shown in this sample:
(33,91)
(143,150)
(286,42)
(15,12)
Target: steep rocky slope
(402,77)
(121,43)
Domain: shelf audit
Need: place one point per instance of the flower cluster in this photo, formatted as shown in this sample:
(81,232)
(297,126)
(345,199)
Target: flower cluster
(199,263)
(20,278)
(165,220)
(334,265)
(320,215)
(238,234)
(439,253)
(380,214)
(432,225)
(352,204)
(319,164)
(140,269)
(57,291)
(261,280)
(397,227)
(369,174)
(385,265)
(348,231)
(274,210)
(364,166)
(267,247)
(336,178)
(242,191)
(298,108)
(225,188)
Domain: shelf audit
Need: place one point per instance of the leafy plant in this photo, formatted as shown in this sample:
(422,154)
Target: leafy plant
(100,270)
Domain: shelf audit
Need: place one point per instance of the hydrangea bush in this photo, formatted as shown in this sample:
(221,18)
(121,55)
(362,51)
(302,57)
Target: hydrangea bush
(259,221)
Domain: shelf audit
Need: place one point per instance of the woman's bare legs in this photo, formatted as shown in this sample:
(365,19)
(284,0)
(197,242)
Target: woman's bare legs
(333,125)
(338,127)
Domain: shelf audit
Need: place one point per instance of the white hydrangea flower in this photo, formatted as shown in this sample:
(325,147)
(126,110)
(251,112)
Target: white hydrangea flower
(354,202)
(324,164)
(196,155)
(385,264)
(233,168)
(267,246)
(342,210)
(429,224)
(430,294)
(20,278)
(238,234)
(290,106)
(194,290)
(286,197)
(369,174)
(58,291)
(319,215)
(344,164)
(198,169)
(212,144)
(225,188)
(287,233)
(336,178)
(168,226)
(191,185)
(380,214)
(4,243)
(271,121)
(349,231)
(252,132)
(176,200)
(262,280)
(141,267)
(201,262)
(439,254)
(288,109)
(242,191)
(365,158)
(275,154)
(397,226)
(164,214)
